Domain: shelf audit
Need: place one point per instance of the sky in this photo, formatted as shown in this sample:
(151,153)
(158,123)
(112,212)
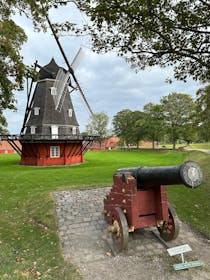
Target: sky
(108,82)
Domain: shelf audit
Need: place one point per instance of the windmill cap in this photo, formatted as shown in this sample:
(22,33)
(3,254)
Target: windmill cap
(50,70)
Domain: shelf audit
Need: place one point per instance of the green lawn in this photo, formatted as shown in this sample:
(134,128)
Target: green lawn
(200,146)
(29,245)
(191,146)
(192,205)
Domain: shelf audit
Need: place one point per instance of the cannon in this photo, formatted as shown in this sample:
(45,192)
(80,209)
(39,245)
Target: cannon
(138,199)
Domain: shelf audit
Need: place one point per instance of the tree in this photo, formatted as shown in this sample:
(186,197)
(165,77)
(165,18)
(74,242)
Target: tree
(148,33)
(138,127)
(121,125)
(12,38)
(178,113)
(127,126)
(3,125)
(98,126)
(203,112)
(153,122)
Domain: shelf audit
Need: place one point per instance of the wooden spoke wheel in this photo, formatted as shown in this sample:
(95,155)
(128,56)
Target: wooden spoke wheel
(119,229)
(170,229)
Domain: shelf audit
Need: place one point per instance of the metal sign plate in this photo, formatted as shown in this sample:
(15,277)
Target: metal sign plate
(186,265)
(179,250)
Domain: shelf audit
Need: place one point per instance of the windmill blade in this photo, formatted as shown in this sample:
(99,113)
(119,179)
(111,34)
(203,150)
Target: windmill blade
(59,45)
(69,66)
(29,100)
(74,64)
(82,94)
(61,85)
(78,57)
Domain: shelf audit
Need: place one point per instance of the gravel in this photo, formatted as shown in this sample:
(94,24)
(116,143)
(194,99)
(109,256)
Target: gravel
(87,244)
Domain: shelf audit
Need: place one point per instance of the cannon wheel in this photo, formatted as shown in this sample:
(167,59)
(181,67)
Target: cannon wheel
(120,229)
(170,229)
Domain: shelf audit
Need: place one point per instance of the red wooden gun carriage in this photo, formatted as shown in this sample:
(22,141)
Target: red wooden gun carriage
(138,199)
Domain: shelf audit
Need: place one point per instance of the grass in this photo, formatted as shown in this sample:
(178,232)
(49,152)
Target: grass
(200,146)
(192,205)
(191,146)
(29,244)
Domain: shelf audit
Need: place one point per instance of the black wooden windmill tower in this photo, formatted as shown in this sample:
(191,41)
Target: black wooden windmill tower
(50,134)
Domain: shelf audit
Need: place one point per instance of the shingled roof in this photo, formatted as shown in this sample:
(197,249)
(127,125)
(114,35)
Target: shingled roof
(43,114)
(50,70)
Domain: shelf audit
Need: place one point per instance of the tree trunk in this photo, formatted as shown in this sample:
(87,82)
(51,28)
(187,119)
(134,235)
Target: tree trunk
(174,144)
(153,144)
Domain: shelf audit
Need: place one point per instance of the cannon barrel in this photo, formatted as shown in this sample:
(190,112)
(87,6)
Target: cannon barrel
(188,173)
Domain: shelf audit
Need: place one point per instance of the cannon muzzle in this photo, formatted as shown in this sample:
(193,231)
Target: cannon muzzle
(188,173)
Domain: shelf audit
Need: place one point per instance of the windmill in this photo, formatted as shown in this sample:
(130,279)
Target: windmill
(50,133)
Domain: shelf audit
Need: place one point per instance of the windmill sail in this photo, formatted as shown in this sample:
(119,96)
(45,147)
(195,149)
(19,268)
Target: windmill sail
(29,101)
(69,66)
(78,57)
(60,88)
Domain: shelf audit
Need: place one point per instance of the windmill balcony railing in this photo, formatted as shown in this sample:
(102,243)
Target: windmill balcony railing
(55,137)
(9,137)
(47,137)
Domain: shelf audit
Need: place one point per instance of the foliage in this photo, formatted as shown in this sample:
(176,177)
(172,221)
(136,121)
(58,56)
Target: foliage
(98,126)
(127,125)
(12,38)
(178,112)
(137,128)
(154,122)
(12,67)
(121,125)
(174,119)
(148,33)
(203,112)
(3,125)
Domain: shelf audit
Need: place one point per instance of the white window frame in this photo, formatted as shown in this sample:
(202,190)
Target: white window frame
(33,129)
(53,91)
(36,111)
(54,151)
(74,130)
(54,131)
(70,111)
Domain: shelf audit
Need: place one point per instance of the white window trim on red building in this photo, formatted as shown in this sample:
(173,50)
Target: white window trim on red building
(54,151)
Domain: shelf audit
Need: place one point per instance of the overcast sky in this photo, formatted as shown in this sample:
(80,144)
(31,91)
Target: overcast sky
(109,84)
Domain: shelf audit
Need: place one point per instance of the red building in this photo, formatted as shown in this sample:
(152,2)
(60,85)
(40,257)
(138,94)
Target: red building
(107,144)
(52,153)
(6,148)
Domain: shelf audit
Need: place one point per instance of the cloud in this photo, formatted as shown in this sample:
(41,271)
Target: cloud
(109,84)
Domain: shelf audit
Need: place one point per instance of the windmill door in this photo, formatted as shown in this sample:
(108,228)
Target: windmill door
(54,131)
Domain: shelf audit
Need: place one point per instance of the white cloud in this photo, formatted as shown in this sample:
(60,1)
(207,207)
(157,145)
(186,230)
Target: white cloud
(108,82)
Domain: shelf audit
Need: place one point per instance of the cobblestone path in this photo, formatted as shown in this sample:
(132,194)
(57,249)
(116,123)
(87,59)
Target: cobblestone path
(86,243)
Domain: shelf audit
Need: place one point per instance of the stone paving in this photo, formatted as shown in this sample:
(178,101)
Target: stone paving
(87,244)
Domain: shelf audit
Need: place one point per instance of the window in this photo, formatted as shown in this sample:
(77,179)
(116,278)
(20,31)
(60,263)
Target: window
(53,90)
(54,131)
(70,112)
(74,130)
(33,129)
(36,111)
(54,151)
